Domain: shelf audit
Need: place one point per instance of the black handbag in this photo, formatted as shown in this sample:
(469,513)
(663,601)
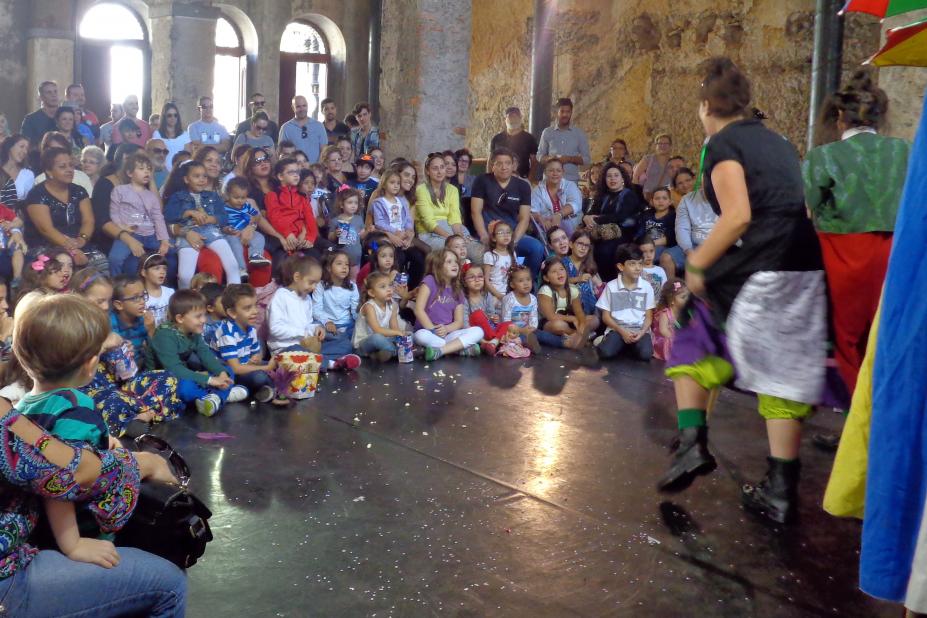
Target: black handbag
(168,521)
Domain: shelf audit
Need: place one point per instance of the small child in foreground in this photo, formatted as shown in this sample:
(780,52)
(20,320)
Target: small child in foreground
(78,329)
(377,324)
(179,348)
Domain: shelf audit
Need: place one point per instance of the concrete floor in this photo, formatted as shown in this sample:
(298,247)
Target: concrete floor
(477,487)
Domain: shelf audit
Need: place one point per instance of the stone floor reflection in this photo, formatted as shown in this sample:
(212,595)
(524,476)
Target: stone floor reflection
(476,487)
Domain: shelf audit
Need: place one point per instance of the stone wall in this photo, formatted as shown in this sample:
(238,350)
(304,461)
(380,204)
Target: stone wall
(500,67)
(14,20)
(632,66)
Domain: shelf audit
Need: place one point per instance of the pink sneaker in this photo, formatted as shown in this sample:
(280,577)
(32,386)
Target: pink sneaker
(348,362)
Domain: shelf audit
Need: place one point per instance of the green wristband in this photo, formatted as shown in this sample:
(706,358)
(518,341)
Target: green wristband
(695,270)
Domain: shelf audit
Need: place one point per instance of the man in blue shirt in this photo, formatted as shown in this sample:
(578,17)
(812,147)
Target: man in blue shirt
(565,142)
(307,133)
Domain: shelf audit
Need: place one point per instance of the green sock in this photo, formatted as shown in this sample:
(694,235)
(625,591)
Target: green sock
(691,417)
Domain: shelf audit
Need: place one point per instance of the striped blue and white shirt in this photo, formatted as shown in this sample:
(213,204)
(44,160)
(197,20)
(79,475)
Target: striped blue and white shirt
(233,342)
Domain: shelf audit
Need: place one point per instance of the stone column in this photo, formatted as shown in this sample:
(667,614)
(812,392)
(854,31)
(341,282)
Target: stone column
(904,85)
(49,48)
(183,39)
(424,85)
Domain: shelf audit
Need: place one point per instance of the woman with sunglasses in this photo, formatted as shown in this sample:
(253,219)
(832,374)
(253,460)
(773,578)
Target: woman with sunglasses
(171,131)
(257,134)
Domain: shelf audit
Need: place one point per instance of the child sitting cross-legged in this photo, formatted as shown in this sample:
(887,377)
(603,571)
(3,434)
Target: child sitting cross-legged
(627,308)
(378,322)
(179,348)
(481,309)
(78,330)
(149,396)
(236,343)
(561,308)
(439,310)
(289,317)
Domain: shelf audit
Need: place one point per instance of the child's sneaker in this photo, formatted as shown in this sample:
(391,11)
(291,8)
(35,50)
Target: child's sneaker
(258,260)
(265,394)
(348,362)
(473,350)
(208,405)
(433,354)
(238,393)
(243,274)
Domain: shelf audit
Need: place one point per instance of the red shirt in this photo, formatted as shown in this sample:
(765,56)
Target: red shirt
(290,212)
(6,214)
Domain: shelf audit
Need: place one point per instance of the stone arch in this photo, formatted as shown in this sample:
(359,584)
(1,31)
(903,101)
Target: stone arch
(85,56)
(337,50)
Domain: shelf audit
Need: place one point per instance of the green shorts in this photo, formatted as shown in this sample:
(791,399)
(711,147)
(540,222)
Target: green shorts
(714,372)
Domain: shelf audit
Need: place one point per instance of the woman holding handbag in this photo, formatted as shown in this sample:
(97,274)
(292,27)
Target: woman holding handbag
(614,217)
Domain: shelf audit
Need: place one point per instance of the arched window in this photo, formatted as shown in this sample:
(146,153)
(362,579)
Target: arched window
(304,58)
(230,76)
(113,58)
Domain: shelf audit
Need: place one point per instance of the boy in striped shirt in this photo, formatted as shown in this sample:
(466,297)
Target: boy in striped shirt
(236,342)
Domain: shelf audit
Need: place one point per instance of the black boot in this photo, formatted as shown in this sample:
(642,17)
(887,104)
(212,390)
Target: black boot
(776,497)
(690,460)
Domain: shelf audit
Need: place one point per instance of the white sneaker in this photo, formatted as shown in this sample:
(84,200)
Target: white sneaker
(265,394)
(238,393)
(208,405)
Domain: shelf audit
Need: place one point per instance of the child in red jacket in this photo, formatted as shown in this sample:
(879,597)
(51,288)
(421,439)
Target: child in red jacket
(289,211)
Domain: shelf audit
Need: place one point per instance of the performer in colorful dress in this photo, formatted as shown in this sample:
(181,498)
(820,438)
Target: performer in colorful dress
(760,319)
(853,188)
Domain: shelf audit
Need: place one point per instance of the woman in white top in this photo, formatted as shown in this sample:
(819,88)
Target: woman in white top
(16,180)
(171,132)
(556,202)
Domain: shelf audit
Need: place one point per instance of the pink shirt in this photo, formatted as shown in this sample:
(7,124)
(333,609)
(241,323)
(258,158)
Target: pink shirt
(138,209)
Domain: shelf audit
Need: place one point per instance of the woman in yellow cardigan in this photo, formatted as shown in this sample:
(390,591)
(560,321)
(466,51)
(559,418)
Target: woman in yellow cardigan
(437,210)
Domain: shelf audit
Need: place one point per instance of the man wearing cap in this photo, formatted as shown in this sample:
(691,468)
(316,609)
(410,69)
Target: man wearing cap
(307,133)
(563,141)
(516,139)
(363,168)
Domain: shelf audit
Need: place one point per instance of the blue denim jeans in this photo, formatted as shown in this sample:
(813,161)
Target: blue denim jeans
(255,248)
(375,343)
(122,262)
(190,391)
(338,344)
(254,381)
(613,345)
(142,584)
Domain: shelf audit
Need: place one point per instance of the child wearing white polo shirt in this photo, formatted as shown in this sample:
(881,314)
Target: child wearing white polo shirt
(627,305)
